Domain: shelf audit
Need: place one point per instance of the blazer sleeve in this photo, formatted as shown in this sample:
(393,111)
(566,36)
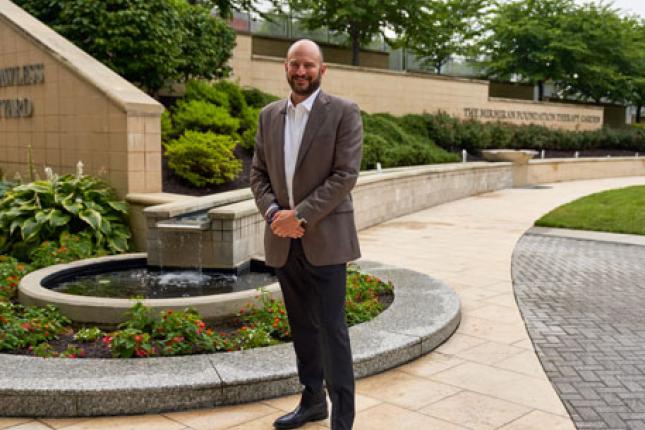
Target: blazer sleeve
(259,176)
(345,169)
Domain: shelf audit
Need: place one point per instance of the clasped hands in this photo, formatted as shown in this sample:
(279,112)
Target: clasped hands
(285,224)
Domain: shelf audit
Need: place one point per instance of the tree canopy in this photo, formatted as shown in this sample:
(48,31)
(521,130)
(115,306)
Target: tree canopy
(441,29)
(361,20)
(149,42)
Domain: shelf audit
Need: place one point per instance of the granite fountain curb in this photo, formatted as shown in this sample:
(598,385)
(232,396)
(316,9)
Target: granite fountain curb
(425,312)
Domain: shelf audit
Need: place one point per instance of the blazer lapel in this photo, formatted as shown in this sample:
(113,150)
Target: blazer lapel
(280,120)
(316,118)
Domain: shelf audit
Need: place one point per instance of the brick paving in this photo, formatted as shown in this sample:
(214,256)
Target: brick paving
(584,306)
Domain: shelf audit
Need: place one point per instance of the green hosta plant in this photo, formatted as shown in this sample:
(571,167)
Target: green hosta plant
(42,210)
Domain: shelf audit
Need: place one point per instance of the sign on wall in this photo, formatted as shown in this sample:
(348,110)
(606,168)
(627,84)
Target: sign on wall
(31,74)
(503,114)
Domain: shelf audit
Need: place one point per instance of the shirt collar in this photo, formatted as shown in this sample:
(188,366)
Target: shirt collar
(306,103)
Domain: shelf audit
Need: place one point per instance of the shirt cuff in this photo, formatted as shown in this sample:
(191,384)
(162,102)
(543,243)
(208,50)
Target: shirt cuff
(268,215)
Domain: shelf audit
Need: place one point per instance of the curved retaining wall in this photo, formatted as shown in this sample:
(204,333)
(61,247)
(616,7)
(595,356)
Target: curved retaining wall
(235,229)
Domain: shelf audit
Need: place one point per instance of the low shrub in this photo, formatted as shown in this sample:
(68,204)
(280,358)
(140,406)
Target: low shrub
(69,247)
(11,272)
(203,158)
(205,91)
(258,99)
(199,115)
(22,327)
(398,142)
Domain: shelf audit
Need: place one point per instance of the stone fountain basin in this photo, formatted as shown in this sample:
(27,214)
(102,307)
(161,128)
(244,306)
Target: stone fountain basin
(106,311)
(517,156)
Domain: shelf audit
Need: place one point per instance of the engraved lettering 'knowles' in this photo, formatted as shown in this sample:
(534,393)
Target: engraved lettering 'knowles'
(31,74)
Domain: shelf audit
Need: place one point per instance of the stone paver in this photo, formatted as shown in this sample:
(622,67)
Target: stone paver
(467,244)
(584,306)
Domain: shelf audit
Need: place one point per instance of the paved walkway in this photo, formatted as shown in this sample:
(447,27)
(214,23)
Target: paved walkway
(485,377)
(583,303)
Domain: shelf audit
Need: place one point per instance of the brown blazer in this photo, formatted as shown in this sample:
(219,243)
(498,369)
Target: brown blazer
(326,170)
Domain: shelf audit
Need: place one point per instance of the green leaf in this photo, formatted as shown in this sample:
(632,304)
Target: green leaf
(118,244)
(41,187)
(30,229)
(105,227)
(15,224)
(119,206)
(91,217)
(57,218)
(71,205)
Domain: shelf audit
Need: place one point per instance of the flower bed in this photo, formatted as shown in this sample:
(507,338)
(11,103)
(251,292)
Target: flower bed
(45,332)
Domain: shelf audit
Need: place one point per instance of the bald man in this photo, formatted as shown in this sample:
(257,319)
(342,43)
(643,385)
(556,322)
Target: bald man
(307,159)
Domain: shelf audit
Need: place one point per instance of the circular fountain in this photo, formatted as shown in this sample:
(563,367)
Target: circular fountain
(101,290)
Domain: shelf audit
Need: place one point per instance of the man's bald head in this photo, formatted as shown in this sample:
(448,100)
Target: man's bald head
(306,46)
(304,68)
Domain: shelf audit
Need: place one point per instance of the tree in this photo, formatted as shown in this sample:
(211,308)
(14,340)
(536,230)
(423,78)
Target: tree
(530,38)
(441,29)
(149,42)
(207,45)
(637,79)
(605,70)
(361,20)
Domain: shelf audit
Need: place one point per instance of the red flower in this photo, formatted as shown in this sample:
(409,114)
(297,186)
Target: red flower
(107,340)
(138,338)
(26,326)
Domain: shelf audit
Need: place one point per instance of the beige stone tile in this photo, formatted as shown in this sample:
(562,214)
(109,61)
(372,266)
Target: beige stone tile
(475,411)
(525,343)
(31,425)
(404,390)
(504,384)
(135,422)
(489,352)
(504,299)
(59,423)
(525,362)
(221,417)
(497,313)
(391,417)
(491,330)
(458,342)
(266,423)
(538,420)
(289,403)
(430,364)
(8,422)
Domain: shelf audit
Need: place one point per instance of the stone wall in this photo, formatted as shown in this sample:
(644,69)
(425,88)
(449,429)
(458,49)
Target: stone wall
(69,107)
(558,170)
(400,93)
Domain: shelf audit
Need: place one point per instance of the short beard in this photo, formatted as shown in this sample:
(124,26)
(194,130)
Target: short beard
(314,84)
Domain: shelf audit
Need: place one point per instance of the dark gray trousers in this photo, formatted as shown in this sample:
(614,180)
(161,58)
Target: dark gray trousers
(315,300)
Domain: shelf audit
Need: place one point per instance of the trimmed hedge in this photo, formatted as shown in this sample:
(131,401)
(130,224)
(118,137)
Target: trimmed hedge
(454,134)
(390,142)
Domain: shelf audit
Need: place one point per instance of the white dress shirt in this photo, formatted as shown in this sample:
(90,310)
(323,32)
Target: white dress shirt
(294,127)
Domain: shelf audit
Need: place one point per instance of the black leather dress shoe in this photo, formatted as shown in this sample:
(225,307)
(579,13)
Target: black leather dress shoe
(301,416)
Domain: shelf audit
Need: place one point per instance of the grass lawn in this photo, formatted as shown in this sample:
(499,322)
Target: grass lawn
(615,211)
